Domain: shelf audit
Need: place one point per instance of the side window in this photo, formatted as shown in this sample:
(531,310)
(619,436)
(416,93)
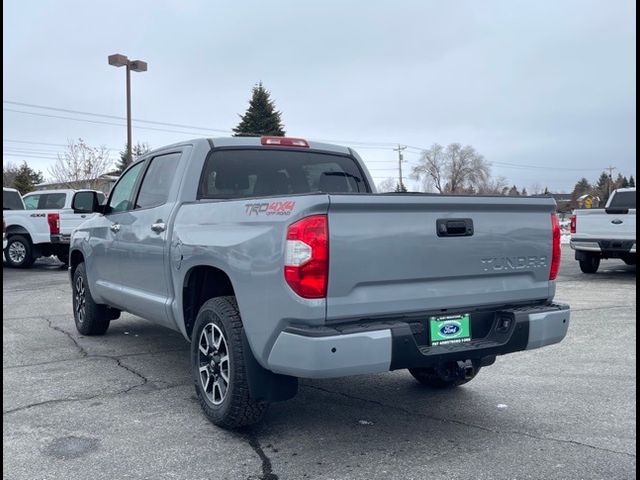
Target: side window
(120,200)
(157,181)
(52,201)
(31,202)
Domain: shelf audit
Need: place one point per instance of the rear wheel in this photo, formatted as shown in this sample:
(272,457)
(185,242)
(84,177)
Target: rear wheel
(218,366)
(19,252)
(449,375)
(590,264)
(91,318)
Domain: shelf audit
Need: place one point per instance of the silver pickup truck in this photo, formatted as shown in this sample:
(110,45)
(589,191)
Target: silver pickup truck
(277,260)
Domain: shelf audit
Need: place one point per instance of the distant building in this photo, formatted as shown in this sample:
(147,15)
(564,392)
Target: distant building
(103,183)
(563,200)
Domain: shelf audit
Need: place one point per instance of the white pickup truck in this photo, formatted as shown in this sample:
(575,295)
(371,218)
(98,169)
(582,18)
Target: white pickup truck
(606,233)
(42,227)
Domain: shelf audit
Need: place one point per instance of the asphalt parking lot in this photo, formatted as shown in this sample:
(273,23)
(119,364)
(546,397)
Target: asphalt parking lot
(123,406)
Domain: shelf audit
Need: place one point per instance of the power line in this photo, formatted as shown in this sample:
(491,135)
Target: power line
(99,122)
(358,144)
(115,117)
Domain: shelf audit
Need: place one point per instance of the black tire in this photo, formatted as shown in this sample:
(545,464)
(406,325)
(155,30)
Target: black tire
(91,318)
(442,378)
(19,252)
(590,264)
(235,408)
(64,258)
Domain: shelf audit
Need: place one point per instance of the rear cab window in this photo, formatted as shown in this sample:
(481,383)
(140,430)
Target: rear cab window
(31,201)
(241,173)
(623,200)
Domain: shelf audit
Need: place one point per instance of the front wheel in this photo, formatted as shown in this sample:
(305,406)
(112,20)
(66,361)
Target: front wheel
(449,375)
(590,264)
(19,252)
(218,366)
(91,318)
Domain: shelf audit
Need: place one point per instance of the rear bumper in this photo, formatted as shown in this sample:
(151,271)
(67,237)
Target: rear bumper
(324,352)
(61,239)
(608,247)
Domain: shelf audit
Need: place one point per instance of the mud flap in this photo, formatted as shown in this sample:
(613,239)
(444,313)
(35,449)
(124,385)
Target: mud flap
(265,385)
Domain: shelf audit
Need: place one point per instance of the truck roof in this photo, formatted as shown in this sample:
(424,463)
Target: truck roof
(256,142)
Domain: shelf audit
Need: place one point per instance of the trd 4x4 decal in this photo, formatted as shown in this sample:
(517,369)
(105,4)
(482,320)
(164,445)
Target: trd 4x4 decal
(270,208)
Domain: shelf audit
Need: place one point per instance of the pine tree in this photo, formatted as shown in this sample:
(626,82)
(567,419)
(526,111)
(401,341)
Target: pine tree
(546,191)
(400,188)
(582,186)
(261,118)
(524,192)
(513,191)
(137,150)
(26,179)
(632,182)
(622,181)
(603,187)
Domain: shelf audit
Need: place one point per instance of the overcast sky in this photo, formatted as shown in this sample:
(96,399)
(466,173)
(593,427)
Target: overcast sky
(544,90)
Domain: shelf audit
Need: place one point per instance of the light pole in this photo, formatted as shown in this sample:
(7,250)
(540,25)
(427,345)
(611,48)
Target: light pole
(118,60)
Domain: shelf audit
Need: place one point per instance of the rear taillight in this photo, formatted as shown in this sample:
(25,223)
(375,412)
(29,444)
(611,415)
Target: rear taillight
(54,223)
(306,259)
(284,142)
(574,222)
(555,253)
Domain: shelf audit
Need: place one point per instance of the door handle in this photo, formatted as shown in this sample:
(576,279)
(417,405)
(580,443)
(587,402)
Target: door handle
(115,227)
(159,227)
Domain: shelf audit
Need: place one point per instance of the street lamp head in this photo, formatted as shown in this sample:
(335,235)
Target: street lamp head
(138,66)
(118,60)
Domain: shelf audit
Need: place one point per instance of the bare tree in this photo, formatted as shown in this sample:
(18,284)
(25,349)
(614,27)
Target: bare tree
(80,164)
(387,185)
(493,186)
(454,169)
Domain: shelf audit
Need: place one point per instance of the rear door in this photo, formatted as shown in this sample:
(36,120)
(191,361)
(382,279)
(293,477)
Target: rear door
(396,254)
(142,240)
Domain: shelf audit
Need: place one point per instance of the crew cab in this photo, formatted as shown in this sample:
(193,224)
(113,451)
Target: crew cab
(610,232)
(277,260)
(42,227)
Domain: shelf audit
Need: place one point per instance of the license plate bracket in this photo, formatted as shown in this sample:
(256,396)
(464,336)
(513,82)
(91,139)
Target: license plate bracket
(449,329)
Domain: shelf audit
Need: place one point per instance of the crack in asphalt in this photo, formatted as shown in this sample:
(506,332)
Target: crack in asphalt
(93,355)
(91,397)
(267,470)
(466,424)
(81,349)
(84,354)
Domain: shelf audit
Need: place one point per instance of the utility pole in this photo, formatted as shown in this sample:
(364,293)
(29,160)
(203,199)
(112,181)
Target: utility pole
(399,150)
(610,183)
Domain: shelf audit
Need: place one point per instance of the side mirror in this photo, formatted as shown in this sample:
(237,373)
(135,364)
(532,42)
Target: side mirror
(86,202)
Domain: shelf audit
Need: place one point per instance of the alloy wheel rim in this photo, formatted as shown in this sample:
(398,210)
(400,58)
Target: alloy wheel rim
(17,252)
(214,366)
(80,299)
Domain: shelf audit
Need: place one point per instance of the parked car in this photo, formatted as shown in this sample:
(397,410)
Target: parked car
(42,227)
(609,232)
(275,257)
(11,200)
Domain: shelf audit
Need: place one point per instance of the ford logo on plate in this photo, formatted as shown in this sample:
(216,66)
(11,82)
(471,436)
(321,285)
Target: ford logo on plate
(449,329)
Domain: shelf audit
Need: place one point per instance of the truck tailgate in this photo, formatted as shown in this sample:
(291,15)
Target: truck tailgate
(597,224)
(386,257)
